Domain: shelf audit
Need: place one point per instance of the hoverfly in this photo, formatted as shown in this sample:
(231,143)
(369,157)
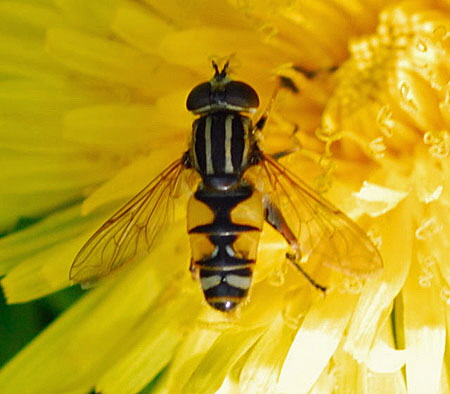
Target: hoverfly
(226,212)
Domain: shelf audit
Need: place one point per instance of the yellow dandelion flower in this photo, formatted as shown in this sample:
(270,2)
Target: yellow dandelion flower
(93,107)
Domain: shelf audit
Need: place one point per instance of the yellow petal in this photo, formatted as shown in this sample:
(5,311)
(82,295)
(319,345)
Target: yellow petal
(139,26)
(419,101)
(261,369)
(43,273)
(89,336)
(383,357)
(112,61)
(221,356)
(428,178)
(121,128)
(17,55)
(26,19)
(425,333)
(130,180)
(15,206)
(375,302)
(316,341)
(376,200)
(189,355)
(385,383)
(35,173)
(349,376)
(222,43)
(30,99)
(19,244)
(81,14)
(201,12)
(150,348)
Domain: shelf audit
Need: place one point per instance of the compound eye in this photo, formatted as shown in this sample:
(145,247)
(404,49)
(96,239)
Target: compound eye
(241,95)
(199,97)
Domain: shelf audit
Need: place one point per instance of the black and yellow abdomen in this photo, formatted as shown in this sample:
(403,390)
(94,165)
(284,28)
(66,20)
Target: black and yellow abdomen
(224,229)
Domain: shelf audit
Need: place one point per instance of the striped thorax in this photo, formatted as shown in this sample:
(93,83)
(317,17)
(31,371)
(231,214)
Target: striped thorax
(220,147)
(222,141)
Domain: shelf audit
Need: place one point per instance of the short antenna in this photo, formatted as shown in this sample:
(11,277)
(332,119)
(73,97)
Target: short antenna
(216,68)
(220,74)
(225,68)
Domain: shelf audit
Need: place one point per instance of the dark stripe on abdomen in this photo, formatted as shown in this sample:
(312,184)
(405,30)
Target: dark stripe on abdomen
(222,229)
(224,290)
(233,284)
(223,257)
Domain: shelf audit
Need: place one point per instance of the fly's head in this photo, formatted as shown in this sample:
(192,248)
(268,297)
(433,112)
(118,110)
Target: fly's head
(222,93)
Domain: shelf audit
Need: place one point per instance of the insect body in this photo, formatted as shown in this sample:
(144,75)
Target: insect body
(227,210)
(222,148)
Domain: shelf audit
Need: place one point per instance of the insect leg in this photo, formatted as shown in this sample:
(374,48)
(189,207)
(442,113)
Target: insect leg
(310,74)
(283,83)
(275,218)
(296,146)
(193,269)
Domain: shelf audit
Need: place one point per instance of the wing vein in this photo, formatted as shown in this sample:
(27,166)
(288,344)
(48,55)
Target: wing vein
(129,232)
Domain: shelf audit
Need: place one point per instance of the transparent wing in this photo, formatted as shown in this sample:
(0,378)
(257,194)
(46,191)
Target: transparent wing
(324,233)
(130,232)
